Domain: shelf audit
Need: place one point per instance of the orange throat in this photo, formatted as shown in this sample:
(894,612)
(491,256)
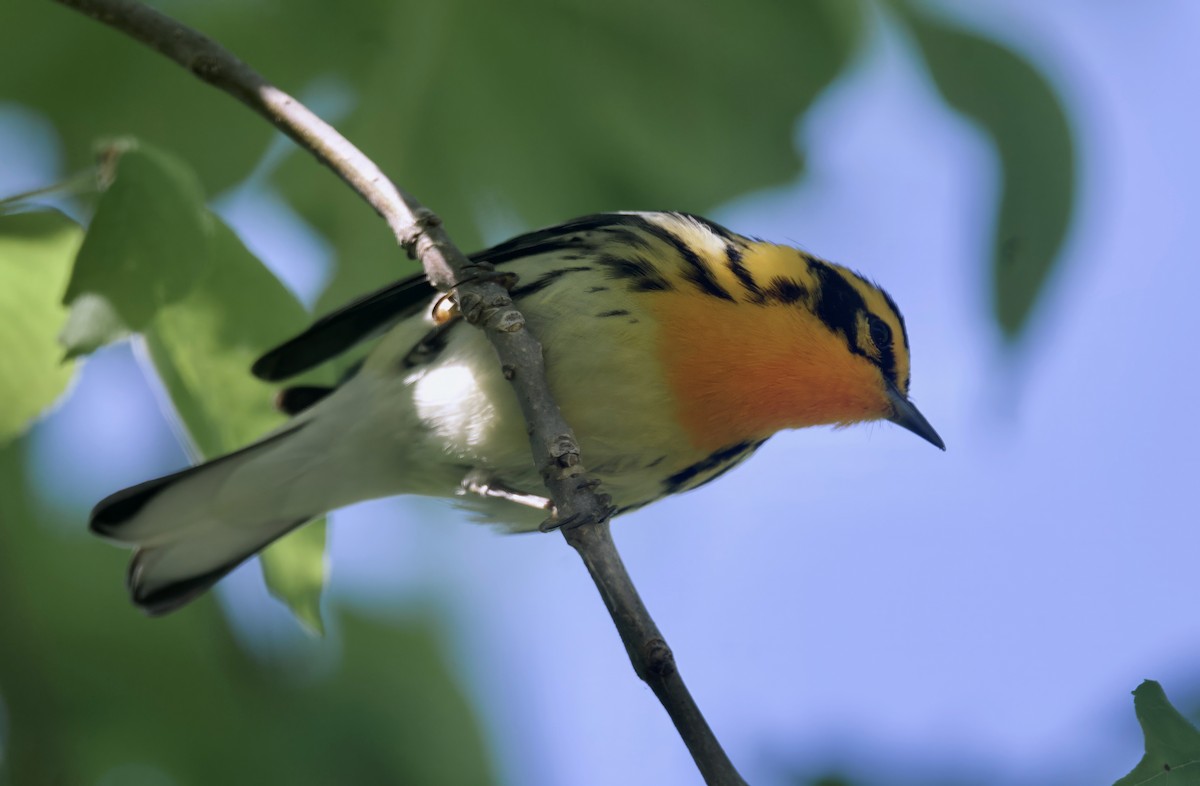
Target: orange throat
(741,371)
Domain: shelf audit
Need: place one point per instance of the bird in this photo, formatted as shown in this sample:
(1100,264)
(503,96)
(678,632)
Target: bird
(674,347)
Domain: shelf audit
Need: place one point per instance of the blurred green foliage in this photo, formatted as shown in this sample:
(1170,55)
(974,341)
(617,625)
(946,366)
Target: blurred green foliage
(36,252)
(205,317)
(154,211)
(90,686)
(500,117)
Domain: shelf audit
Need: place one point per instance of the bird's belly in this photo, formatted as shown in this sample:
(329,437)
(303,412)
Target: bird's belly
(607,379)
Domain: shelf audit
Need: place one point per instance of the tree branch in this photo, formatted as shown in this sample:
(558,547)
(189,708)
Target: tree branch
(648,651)
(583,512)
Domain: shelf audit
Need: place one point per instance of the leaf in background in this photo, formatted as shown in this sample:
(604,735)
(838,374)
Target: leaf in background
(156,260)
(412,727)
(500,117)
(147,243)
(506,116)
(36,250)
(93,82)
(1172,743)
(294,569)
(202,347)
(1020,111)
(91,323)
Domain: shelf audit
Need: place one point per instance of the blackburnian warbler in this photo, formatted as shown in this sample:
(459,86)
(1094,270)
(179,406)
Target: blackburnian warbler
(674,347)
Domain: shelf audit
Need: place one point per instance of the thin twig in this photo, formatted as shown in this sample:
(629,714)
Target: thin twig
(648,651)
(485,303)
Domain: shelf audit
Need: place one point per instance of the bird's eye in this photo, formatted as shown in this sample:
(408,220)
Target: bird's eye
(881,334)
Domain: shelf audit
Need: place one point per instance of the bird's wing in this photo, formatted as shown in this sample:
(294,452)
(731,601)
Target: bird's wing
(364,318)
(374,314)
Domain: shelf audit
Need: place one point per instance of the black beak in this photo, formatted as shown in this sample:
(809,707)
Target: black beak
(906,415)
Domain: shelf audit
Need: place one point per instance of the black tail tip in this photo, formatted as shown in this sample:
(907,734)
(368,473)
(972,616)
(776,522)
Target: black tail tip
(165,598)
(116,509)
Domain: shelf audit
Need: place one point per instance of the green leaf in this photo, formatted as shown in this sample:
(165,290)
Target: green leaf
(36,250)
(93,82)
(1172,743)
(665,105)
(157,261)
(91,323)
(146,246)
(1021,112)
(294,569)
(203,346)
(496,115)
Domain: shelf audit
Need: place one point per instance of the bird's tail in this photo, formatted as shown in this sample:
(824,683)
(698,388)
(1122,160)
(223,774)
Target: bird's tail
(191,528)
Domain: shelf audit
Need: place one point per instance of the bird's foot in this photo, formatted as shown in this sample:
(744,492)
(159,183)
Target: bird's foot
(485,485)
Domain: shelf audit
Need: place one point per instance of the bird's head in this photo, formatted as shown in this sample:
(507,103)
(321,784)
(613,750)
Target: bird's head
(795,341)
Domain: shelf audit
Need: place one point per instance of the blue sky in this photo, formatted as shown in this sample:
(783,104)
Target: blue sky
(853,596)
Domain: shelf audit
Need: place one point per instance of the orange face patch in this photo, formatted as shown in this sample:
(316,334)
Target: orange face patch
(744,371)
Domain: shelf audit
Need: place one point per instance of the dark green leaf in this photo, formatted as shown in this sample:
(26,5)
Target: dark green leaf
(1172,743)
(506,116)
(499,117)
(36,250)
(538,108)
(1021,112)
(147,244)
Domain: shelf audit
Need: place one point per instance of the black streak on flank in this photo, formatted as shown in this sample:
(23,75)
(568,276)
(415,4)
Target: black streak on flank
(596,289)
(545,280)
(721,461)
(644,277)
(620,312)
(733,256)
(838,303)
(786,291)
